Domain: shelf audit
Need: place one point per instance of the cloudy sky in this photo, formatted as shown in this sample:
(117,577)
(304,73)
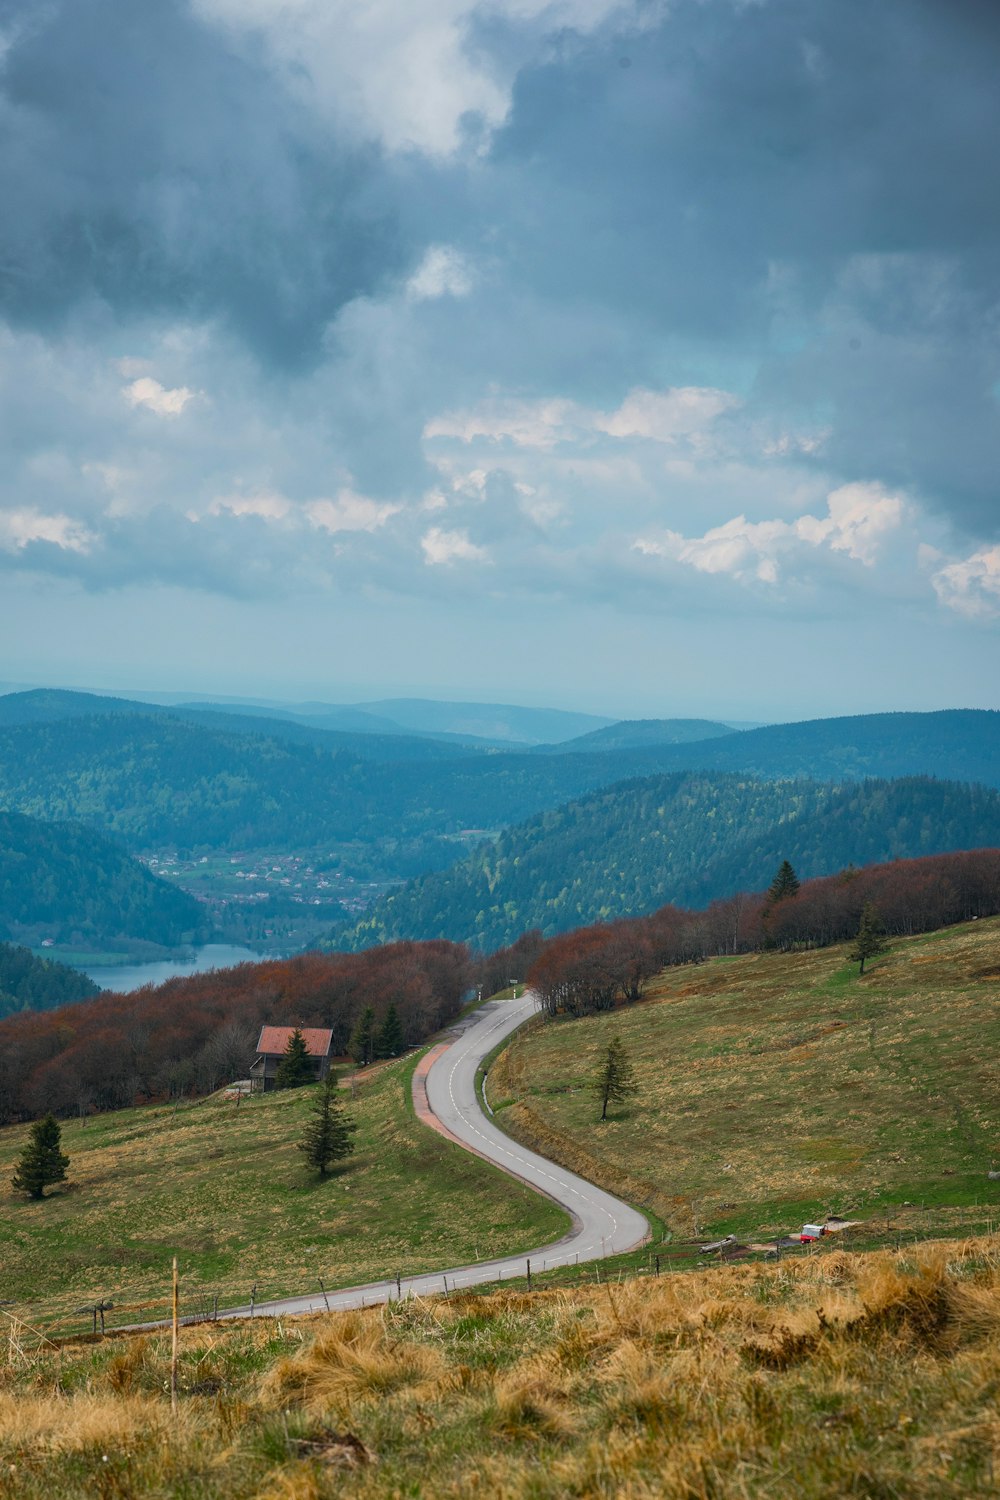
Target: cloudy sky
(632,356)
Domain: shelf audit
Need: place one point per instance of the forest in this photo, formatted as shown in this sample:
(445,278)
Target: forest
(596,967)
(684,838)
(30,983)
(191,1035)
(67,883)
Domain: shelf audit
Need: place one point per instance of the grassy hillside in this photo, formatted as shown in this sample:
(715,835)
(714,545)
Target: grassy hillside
(777,1087)
(227,1191)
(61,881)
(686,839)
(835,1376)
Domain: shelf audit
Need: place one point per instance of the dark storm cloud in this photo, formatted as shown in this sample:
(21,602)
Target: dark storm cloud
(720,187)
(146,165)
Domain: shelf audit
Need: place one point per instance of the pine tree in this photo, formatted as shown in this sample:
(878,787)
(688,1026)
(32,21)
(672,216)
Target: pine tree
(295,1068)
(871,936)
(42,1160)
(327,1137)
(784,884)
(390,1041)
(362,1043)
(614,1081)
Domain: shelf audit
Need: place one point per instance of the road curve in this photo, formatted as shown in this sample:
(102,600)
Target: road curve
(602,1225)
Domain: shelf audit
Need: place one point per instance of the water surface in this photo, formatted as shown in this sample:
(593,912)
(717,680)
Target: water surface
(130,976)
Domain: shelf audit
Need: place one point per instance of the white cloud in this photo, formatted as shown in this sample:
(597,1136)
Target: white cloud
(668,416)
(267,505)
(350,512)
(859,517)
(971,586)
(401,72)
(18,528)
(443,272)
(450,547)
(150,393)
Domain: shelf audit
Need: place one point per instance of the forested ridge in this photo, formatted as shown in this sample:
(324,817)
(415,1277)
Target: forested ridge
(686,838)
(156,780)
(61,881)
(30,983)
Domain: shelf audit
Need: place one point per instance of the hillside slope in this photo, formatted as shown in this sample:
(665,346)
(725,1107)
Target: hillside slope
(685,839)
(777,1087)
(61,881)
(632,734)
(30,983)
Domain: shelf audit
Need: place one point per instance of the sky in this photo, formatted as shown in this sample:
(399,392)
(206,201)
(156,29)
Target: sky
(640,358)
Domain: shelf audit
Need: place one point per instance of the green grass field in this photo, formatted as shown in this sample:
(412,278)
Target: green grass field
(778,1087)
(227,1191)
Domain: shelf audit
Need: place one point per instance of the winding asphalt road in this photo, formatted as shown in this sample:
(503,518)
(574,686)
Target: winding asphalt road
(602,1225)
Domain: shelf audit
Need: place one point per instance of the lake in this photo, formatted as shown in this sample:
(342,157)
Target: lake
(130,976)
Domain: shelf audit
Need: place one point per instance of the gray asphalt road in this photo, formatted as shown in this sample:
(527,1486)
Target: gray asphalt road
(601,1224)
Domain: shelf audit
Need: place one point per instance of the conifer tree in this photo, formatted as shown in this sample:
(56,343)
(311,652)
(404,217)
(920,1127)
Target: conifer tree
(784,884)
(295,1067)
(614,1081)
(871,936)
(390,1042)
(362,1043)
(328,1133)
(42,1160)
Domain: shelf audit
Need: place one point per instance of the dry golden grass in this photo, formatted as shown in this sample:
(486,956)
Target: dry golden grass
(868,1375)
(776,1087)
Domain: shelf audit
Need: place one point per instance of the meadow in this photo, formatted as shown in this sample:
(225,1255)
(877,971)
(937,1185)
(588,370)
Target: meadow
(834,1375)
(226,1190)
(777,1087)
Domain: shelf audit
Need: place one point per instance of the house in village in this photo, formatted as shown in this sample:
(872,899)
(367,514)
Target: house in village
(271,1049)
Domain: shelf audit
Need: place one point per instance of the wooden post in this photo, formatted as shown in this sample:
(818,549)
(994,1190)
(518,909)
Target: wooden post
(253,1297)
(657,1265)
(399,1288)
(95,1319)
(529,1275)
(173,1341)
(215,1309)
(326,1300)
(445,1280)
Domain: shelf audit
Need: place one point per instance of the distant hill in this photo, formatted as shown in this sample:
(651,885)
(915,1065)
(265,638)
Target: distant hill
(686,839)
(487,721)
(630,734)
(61,881)
(30,983)
(51,706)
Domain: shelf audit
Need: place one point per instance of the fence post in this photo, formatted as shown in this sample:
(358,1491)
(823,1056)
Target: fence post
(529,1275)
(253,1298)
(399,1288)
(173,1341)
(326,1300)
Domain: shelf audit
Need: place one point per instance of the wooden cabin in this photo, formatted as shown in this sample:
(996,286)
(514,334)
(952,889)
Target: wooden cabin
(271,1049)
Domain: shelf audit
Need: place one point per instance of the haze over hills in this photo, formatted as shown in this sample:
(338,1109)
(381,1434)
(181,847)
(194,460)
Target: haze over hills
(684,839)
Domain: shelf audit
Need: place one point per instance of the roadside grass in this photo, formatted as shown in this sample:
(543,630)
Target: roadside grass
(775,1088)
(838,1375)
(226,1190)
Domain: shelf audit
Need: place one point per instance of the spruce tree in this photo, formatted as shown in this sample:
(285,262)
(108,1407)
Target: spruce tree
(42,1160)
(295,1067)
(328,1133)
(871,936)
(362,1043)
(614,1080)
(784,884)
(390,1042)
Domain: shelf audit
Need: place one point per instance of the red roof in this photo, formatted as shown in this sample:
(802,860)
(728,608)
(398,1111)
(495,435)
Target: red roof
(274,1040)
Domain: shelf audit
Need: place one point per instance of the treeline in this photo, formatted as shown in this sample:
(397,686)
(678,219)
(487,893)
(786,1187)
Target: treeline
(191,1035)
(30,983)
(598,967)
(61,881)
(687,838)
